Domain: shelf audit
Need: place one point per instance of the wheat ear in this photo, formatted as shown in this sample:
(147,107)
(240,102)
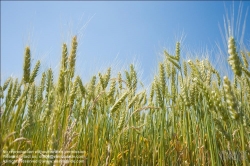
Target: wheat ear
(26,66)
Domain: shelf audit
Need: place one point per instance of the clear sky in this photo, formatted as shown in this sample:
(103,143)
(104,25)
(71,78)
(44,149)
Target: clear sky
(110,33)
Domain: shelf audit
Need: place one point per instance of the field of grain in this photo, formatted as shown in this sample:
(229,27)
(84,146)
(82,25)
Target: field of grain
(191,114)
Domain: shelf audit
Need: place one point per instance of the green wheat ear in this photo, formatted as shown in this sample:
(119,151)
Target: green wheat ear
(162,78)
(119,102)
(6,83)
(72,57)
(177,51)
(230,99)
(233,59)
(64,62)
(82,88)
(244,57)
(26,66)
(34,72)
(63,69)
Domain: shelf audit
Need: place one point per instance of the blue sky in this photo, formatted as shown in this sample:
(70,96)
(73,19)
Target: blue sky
(110,33)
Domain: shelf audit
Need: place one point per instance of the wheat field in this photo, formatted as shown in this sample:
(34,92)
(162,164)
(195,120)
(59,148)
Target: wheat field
(190,115)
